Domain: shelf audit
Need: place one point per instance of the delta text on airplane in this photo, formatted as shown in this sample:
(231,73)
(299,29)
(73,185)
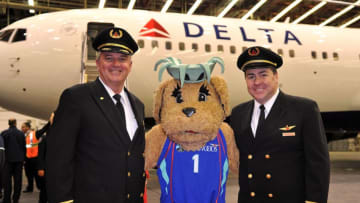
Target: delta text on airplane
(44,54)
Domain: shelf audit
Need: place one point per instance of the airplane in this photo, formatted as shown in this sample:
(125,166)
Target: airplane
(44,54)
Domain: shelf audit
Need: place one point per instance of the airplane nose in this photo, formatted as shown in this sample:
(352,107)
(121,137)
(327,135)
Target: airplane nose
(189,111)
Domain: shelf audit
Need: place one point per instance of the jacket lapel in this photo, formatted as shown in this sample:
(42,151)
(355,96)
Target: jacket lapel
(276,111)
(106,105)
(247,120)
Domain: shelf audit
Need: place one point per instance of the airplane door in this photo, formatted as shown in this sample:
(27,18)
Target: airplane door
(93,29)
(89,70)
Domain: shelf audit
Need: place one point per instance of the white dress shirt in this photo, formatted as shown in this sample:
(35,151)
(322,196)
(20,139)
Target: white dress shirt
(131,124)
(256,111)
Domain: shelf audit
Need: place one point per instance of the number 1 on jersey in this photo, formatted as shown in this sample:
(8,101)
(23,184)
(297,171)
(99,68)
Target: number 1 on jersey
(196,163)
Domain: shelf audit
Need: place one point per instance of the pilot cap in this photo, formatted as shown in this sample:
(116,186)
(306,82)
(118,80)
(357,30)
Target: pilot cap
(258,57)
(115,40)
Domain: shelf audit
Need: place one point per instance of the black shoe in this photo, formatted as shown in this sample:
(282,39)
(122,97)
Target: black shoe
(27,191)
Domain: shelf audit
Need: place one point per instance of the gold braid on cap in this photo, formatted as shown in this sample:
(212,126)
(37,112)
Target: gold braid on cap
(116,45)
(258,61)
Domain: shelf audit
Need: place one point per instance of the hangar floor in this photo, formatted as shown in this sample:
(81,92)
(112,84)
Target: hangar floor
(344,183)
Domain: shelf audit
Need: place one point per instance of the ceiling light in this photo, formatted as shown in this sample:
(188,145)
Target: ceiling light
(253,9)
(194,7)
(131,5)
(227,8)
(350,22)
(166,6)
(31,3)
(285,10)
(102,3)
(311,11)
(342,12)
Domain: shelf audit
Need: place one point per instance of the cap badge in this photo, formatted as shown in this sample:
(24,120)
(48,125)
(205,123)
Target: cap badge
(116,34)
(254,51)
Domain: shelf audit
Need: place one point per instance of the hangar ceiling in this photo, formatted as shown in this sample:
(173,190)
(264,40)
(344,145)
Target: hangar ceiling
(12,10)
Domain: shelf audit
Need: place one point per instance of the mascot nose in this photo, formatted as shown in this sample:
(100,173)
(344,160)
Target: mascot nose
(189,111)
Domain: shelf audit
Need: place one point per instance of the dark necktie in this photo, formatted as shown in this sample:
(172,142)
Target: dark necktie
(120,107)
(261,117)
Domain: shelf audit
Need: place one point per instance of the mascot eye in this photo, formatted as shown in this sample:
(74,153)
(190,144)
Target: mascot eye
(179,98)
(202,97)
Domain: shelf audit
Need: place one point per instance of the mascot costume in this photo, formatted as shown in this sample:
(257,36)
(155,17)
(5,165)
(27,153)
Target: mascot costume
(191,146)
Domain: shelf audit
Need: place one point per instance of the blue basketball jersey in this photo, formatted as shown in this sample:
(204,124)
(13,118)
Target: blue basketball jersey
(193,176)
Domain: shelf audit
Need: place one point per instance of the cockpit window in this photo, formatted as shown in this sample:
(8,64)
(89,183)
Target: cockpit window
(5,36)
(20,35)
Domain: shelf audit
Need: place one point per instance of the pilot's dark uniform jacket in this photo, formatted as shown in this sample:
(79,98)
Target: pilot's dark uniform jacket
(90,156)
(287,161)
(41,162)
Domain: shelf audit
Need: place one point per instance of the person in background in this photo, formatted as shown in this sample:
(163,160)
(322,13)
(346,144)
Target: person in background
(31,156)
(281,138)
(96,143)
(15,151)
(32,150)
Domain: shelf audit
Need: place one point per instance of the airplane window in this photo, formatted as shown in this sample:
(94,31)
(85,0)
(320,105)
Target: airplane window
(292,53)
(324,55)
(220,48)
(194,47)
(141,43)
(207,48)
(280,52)
(232,49)
(168,45)
(313,54)
(5,36)
(181,46)
(20,35)
(154,44)
(244,48)
(336,56)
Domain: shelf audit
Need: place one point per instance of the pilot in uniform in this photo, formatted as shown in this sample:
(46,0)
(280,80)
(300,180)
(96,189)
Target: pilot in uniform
(281,138)
(96,143)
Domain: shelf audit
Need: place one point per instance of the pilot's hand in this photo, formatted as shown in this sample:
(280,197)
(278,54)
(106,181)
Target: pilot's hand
(41,173)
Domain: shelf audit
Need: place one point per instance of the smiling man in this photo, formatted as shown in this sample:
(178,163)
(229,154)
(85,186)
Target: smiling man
(96,143)
(281,138)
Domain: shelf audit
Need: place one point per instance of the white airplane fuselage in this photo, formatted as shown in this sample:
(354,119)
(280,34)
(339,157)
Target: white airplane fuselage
(34,72)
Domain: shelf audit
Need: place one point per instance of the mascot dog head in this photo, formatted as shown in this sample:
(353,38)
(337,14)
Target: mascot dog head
(191,107)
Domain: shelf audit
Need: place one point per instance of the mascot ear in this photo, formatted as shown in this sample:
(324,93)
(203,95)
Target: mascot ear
(158,101)
(222,91)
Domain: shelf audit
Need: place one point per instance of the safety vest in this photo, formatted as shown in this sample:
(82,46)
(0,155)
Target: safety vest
(31,145)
